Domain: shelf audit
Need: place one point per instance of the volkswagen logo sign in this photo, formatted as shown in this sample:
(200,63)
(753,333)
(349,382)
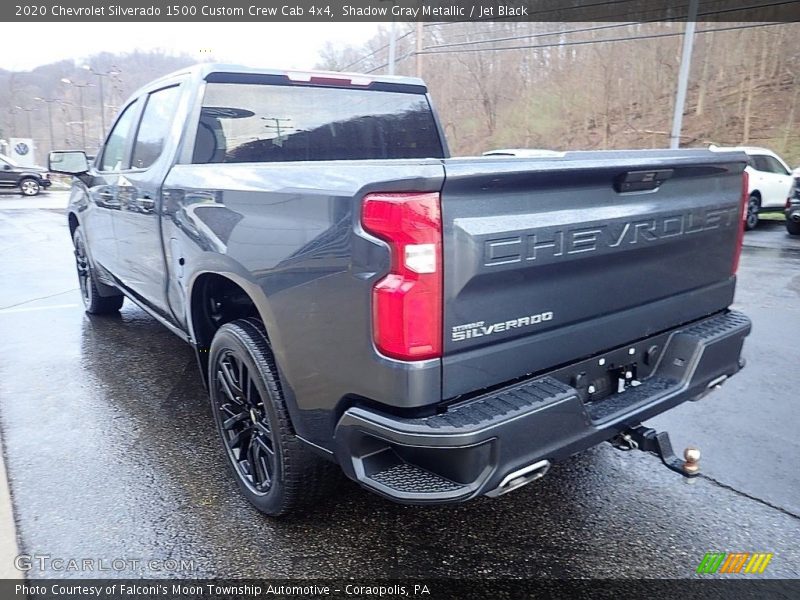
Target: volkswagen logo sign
(21,149)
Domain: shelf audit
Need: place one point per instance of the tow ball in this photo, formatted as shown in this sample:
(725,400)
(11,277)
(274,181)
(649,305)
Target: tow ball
(658,443)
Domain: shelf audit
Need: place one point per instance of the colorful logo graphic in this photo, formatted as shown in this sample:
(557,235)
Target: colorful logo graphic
(21,148)
(734,562)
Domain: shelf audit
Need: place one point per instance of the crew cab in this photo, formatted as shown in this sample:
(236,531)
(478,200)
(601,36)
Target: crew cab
(29,180)
(440,328)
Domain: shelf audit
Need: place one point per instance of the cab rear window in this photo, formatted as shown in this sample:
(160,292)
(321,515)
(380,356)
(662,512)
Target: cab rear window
(244,123)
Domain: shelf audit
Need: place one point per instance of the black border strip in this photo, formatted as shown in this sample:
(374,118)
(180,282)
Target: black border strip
(430,11)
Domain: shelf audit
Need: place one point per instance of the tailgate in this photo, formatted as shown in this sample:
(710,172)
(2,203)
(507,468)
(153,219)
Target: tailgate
(547,261)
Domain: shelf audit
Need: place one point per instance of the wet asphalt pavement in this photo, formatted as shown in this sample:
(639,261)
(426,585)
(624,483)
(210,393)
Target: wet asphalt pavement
(111,453)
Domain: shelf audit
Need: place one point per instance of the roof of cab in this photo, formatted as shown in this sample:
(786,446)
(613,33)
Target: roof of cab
(202,70)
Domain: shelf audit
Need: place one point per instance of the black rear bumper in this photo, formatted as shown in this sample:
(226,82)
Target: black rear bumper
(475,445)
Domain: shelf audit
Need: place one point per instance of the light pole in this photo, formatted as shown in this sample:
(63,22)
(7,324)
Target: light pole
(28,111)
(80,87)
(100,75)
(683,75)
(49,119)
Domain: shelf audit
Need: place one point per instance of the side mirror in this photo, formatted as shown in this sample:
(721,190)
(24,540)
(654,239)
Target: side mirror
(70,162)
(6,167)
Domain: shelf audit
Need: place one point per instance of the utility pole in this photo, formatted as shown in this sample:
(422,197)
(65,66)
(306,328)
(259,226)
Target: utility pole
(392,41)
(279,129)
(419,48)
(392,46)
(683,75)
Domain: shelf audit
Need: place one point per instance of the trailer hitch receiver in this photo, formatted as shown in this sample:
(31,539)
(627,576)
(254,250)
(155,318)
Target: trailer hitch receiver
(658,443)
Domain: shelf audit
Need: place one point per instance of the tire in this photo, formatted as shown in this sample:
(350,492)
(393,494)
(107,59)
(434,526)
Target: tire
(753,206)
(29,186)
(275,471)
(93,302)
(793,227)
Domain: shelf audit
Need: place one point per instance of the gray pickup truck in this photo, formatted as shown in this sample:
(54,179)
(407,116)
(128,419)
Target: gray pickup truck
(439,328)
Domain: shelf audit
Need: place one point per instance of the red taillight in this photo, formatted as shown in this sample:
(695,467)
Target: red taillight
(742,217)
(407,303)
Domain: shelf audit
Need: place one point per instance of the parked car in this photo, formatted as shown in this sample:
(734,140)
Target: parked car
(770,182)
(792,210)
(439,328)
(29,180)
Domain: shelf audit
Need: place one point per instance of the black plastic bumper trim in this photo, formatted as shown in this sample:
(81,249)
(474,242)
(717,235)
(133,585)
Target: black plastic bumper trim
(467,450)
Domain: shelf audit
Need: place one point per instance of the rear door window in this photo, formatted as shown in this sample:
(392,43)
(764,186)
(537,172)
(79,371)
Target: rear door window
(243,122)
(774,166)
(759,162)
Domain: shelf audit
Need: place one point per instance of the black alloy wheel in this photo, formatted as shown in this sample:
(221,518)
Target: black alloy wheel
(274,469)
(93,302)
(751,219)
(245,426)
(82,267)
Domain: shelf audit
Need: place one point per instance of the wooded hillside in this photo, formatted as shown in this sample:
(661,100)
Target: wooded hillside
(586,86)
(74,107)
(598,85)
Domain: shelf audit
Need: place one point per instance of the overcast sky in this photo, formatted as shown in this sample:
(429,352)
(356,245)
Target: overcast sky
(278,45)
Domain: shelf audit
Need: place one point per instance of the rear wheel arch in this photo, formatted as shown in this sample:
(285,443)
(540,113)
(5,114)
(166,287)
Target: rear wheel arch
(241,299)
(214,300)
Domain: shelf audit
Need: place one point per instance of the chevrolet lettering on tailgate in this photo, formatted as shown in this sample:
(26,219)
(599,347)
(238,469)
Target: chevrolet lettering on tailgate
(550,243)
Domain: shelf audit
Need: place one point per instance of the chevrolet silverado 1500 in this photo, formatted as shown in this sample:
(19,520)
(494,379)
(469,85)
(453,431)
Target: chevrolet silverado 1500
(440,328)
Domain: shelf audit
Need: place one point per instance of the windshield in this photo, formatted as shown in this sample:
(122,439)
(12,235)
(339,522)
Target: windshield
(4,158)
(242,122)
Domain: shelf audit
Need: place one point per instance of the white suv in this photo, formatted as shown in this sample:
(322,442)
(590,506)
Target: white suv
(770,182)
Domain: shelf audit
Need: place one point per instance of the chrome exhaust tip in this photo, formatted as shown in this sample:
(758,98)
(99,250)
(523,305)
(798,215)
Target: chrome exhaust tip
(516,479)
(714,384)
